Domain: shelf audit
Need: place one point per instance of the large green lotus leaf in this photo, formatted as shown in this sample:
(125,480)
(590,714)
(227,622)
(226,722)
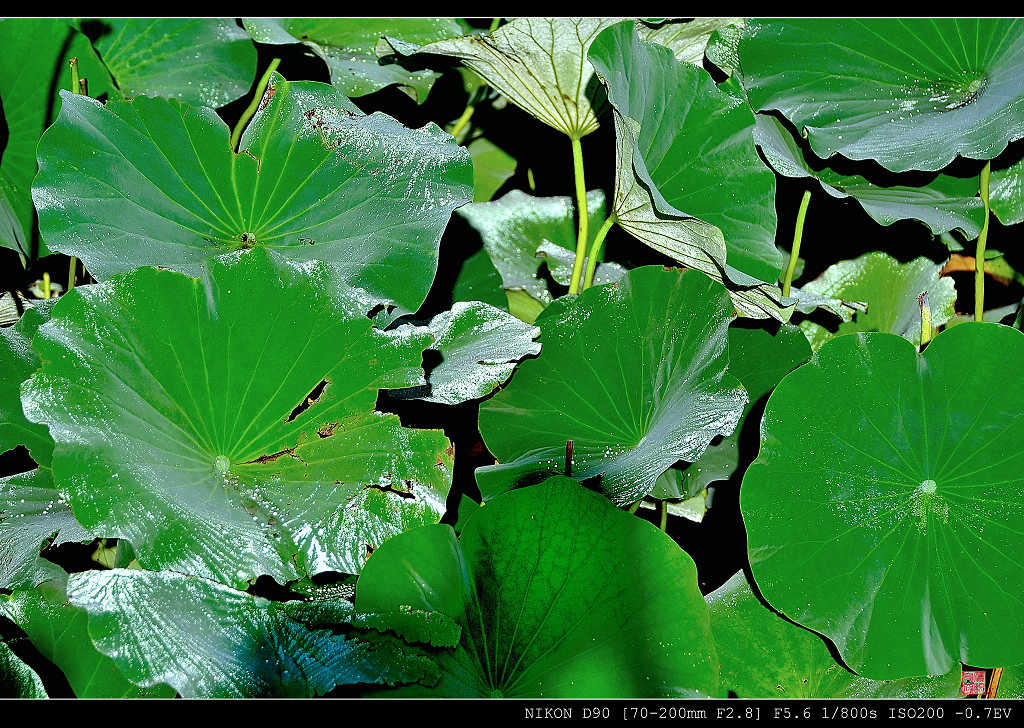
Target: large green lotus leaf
(760,360)
(539,64)
(908,93)
(1006,193)
(31,513)
(764,656)
(206,640)
(347,46)
(890,289)
(560,595)
(58,630)
(689,182)
(479,347)
(204,61)
(230,431)
(633,372)
(33,69)
(17,362)
(18,680)
(513,227)
(154,182)
(883,510)
(686,39)
(943,204)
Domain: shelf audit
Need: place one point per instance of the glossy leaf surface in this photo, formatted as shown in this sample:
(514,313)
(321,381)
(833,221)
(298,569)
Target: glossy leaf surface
(31,512)
(206,640)
(587,601)
(633,372)
(909,93)
(883,509)
(18,680)
(759,360)
(540,64)
(59,631)
(514,226)
(479,347)
(153,182)
(17,362)
(33,69)
(231,430)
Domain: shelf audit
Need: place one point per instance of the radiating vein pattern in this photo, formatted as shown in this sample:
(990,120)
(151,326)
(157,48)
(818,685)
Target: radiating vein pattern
(231,431)
(897,480)
(154,182)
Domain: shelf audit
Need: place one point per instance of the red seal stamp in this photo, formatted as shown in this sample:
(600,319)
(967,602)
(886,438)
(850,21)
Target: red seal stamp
(972,682)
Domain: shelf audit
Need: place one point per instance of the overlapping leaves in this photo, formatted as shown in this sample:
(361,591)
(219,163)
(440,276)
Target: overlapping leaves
(688,182)
(231,431)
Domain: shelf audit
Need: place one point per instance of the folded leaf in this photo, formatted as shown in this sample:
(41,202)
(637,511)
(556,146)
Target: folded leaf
(943,204)
(479,347)
(31,512)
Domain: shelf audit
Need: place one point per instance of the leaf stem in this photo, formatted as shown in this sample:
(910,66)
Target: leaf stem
(46,285)
(632,508)
(74,75)
(595,250)
(926,318)
(494,25)
(798,235)
(662,514)
(250,110)
(979,256)
(463,120)
(72,272)
(584,213)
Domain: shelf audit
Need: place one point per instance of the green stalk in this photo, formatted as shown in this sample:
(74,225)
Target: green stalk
(78,86)
(979,256)
(463,120)
(632,508)
(926,318)
(250,110)
(494,25)
(662,514)
(74,75)
(581,207)
(798,235)
(595,250)
(46,285)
